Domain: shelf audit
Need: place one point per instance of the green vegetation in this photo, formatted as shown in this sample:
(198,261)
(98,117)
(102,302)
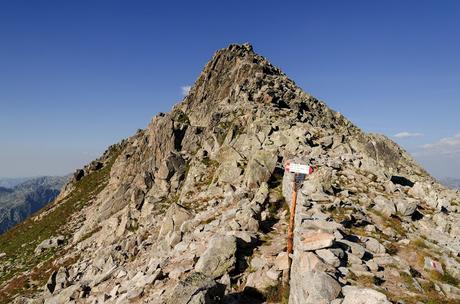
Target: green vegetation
(181,117)
(274,206)
(392,222)
(212,166)
(20,242)
(392,248)
(420,243)
(210,162)
(363,280)
(277,294)
(443,277)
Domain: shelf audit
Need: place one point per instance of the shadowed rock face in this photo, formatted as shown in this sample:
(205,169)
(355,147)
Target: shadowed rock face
(194,207)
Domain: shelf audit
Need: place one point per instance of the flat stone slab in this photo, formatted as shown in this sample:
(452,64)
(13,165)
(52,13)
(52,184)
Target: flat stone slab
(355,295)
(316,240)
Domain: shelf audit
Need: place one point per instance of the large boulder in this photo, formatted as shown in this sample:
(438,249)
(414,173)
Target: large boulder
(172,164)
(172,222)
(309,281)
(425,192)
(260,167)
(314,288)
(406,207)
(174,217)
(50,243)
(197,288)
(229,172)
(219,258)
(384,206)
(355,295)
(58,280)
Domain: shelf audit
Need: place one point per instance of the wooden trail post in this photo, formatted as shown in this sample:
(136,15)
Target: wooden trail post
(299,173)
(292,217)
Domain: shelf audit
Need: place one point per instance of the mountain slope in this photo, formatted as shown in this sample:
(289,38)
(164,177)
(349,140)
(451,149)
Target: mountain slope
(194,209)
(19,202)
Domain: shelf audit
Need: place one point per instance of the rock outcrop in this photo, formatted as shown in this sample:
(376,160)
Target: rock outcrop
(194,208)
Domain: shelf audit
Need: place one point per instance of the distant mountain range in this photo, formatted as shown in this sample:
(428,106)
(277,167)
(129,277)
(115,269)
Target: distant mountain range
(451,182)
(19,198)
(6,182)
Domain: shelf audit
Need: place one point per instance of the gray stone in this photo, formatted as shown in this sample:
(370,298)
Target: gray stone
(258,262)
(451,292)
(229,172)
(64,296)
(311,240)
(385,206)
(313,288)
(374,246)
(406,207)
(197,288)
(174,217)
(219,258)
(355,248)
(261,279)
(282,261)
(355,295)
(58,280)
(319,224)
(173,163)
(260,167)
(52,242)
(327,256)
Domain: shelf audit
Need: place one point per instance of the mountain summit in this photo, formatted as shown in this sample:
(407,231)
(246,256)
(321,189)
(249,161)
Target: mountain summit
(194,209)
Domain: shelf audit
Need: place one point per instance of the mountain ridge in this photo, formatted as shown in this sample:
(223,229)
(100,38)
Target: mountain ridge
(451,182)
(27,197)
(194,208)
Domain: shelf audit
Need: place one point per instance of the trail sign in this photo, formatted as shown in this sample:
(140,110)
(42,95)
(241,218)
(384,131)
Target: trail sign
(298,168)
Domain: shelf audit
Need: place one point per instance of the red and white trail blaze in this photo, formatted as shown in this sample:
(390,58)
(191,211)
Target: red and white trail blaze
(298,168)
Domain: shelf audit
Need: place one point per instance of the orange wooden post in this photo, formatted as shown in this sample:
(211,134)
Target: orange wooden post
(291,219)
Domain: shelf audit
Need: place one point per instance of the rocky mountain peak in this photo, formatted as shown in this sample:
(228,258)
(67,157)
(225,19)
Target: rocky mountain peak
(238,78)
(194,208)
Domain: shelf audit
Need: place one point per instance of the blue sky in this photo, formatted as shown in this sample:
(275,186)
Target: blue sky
(77,76)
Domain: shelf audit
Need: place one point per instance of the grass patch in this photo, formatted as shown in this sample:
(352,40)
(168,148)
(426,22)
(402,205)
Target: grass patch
(277,294)
(367,281)
(392,248)
(392,222)
(443,277)
(419,243)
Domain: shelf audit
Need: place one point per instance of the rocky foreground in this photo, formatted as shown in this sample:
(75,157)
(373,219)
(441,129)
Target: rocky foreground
(194,209)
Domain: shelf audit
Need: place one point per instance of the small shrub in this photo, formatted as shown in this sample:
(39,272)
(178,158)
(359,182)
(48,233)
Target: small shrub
(443,277)
(277,294)
(392,249)
(419,243)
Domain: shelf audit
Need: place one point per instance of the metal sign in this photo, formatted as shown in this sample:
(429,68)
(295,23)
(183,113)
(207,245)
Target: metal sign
(298,168)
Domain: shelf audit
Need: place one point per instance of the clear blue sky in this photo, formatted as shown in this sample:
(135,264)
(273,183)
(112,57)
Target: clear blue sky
(77,76)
